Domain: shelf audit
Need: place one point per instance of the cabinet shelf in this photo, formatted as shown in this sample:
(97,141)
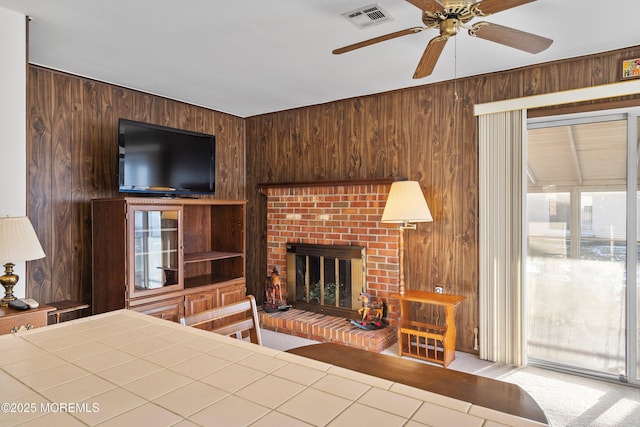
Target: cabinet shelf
(200,281)
(210,256)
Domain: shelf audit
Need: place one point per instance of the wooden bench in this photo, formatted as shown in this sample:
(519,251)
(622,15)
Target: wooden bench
(486,392)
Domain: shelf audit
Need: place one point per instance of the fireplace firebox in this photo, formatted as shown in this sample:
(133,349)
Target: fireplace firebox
(326,278)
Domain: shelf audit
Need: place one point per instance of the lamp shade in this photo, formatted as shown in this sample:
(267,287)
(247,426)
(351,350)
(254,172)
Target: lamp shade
(406,204)
(18,241)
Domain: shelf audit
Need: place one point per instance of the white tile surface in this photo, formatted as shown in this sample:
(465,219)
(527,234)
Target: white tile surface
(230,412)
(139,370)
(315,406)
(34,365)
(233,378)
(270,391)
(358,414)
(191,398)
(157,384)
(439,416)
(341,386)
(200,366)
(388,401)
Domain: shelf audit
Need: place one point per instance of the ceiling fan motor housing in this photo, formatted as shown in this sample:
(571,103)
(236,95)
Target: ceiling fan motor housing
(449,27)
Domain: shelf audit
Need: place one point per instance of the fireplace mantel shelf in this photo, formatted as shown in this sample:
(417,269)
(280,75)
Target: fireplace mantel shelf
(365,181)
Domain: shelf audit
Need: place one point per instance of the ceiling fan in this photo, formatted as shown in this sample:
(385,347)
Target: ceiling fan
(450,16)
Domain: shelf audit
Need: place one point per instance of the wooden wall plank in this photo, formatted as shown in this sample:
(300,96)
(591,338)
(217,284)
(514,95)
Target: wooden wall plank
(351,148)
(315,138)
(39,170)
(62,216)
(81,239)
(331,133)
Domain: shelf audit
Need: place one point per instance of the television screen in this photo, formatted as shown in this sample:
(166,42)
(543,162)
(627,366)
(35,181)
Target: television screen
(160,160)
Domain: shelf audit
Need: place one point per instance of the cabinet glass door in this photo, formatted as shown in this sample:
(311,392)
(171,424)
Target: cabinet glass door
(156,248)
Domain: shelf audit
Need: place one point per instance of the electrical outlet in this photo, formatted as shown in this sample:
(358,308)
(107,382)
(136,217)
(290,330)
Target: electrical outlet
(439,289)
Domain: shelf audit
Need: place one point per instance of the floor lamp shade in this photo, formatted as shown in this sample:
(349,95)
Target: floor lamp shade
(406,205)
(18,243)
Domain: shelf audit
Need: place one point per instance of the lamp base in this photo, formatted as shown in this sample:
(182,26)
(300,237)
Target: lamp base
(8,280)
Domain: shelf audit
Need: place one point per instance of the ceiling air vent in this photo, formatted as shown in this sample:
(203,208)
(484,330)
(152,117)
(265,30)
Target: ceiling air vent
(367,16)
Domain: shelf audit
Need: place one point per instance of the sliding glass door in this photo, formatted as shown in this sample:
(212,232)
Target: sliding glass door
(634,288)
(581,208)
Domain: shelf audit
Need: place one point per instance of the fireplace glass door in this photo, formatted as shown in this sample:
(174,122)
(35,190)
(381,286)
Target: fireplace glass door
(325,278)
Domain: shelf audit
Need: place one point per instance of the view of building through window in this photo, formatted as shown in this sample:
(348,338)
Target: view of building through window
(577,250)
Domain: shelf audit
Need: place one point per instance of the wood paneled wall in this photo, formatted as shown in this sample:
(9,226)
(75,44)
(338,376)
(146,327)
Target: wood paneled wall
(420,133)
(72,153)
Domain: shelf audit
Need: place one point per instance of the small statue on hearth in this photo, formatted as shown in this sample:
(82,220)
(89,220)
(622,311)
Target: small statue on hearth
(273,288)
(275,282)
(270,293)
(373,313)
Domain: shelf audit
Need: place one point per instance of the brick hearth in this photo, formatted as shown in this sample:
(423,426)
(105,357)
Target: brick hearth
(320,327)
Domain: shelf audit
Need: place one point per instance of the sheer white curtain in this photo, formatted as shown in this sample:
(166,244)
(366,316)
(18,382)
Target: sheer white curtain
(502,180)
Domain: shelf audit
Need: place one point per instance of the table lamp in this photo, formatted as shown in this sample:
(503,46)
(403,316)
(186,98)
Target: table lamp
(405,205)
(18,243)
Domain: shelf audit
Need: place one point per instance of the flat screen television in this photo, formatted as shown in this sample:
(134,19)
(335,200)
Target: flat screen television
(160,160)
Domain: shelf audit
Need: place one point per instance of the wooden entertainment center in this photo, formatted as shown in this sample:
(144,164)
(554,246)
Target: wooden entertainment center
(167,256)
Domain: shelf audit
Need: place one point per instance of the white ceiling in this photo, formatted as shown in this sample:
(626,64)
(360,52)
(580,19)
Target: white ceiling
(248,57)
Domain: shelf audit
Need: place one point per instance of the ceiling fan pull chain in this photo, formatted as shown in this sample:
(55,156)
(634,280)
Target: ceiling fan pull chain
(455,69)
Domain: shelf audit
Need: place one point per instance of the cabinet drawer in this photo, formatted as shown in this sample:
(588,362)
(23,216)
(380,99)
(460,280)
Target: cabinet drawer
(202,301)
(169,309)
(21,320)
(198,302)
(231,294)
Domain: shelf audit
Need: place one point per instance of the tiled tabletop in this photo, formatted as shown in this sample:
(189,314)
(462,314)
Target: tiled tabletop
(125,368)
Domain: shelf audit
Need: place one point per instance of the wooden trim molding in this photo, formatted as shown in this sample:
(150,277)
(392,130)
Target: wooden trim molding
(611,90)
(343,182)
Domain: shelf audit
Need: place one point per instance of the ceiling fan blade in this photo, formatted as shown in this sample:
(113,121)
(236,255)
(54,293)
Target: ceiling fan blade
(430,57)
(430,6)
(488,7)
(377,40)
(510,37)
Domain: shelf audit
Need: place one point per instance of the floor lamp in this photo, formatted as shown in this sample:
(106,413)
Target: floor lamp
(405,205)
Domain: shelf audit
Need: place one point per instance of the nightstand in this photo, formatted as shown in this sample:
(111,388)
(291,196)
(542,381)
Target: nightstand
(14,320)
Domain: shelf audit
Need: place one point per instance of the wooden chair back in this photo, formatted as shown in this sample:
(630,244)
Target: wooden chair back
(236,324)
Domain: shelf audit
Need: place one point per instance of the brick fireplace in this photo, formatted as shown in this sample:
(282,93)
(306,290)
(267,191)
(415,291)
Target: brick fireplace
(334,213)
